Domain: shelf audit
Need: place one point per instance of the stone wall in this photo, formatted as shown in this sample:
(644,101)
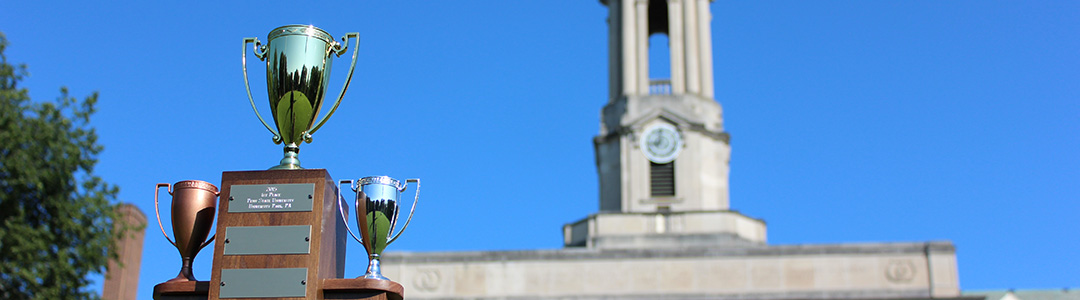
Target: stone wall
(841,271)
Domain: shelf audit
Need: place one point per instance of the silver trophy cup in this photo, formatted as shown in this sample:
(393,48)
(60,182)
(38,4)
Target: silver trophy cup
(378,198)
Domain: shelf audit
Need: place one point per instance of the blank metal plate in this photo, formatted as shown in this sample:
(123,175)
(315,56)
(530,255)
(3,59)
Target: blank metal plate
(263,283)
(252,240)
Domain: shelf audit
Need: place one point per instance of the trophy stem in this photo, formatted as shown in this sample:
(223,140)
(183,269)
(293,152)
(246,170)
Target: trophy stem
(185,272)
(291,160)
(373,270)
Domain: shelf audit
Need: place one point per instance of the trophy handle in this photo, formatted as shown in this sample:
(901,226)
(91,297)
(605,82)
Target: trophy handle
(411,211)
(348,79)
(212,237)
(243,59)
(157,211)
(342,211)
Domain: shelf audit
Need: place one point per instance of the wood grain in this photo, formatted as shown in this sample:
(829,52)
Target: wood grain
(327,256)
(360,288)
(184,290)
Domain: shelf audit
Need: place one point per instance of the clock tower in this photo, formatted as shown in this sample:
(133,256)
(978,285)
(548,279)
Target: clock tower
(662,154)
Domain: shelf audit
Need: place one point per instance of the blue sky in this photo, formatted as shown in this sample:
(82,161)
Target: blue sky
(851,121)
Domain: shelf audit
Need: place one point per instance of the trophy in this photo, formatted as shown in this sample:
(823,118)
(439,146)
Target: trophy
(376,215)
(193,206)
(298,59)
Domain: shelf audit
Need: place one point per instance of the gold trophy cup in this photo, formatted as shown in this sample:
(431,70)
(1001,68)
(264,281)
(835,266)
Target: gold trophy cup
(193,206)
(298,60)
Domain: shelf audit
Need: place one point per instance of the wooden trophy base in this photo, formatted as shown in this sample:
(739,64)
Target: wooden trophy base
(333,288)
(361,288)
(280,235)
(182,290)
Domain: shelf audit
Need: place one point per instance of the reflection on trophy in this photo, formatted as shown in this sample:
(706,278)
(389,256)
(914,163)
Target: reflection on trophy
(298,60)
(193,206)
(378,197)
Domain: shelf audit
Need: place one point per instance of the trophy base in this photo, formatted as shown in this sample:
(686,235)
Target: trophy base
(374,270)
(185,272)
(180,278)
(185,290)
(291,160)
(373,276)
(339,288)
(332,288)
(268,272)
(286,167)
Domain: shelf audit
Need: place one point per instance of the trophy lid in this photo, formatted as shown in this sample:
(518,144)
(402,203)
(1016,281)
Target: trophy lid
(297,29)
(387,180)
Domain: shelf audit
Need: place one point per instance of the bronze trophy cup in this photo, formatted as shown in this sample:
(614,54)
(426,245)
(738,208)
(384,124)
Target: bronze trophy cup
(193,206)
(298,60)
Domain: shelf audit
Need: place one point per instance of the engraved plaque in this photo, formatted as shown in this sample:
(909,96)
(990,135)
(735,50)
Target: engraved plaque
(271,197)
(249,240)
(263,283)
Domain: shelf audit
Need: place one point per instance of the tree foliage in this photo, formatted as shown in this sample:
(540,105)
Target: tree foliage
(56,217)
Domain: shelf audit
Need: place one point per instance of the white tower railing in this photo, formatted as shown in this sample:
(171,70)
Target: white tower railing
(660,87)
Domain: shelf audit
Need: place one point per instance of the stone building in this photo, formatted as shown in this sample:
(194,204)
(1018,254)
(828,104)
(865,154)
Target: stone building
(665,229)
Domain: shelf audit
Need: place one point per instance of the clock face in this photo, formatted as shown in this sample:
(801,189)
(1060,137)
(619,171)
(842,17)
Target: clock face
(661,143)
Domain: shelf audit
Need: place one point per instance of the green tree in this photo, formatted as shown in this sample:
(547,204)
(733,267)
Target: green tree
(56,217)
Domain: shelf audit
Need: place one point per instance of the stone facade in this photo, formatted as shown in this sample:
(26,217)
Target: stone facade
(843,271)
(701,169)
(664,230)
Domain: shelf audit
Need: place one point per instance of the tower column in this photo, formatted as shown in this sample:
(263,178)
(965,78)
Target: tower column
(675,42)
(615,87)
(643,46)
(635,176)
(629,54)
(704,19)
(693,79)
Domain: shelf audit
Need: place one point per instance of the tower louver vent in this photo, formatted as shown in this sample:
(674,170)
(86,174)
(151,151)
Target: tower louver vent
(662,179)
